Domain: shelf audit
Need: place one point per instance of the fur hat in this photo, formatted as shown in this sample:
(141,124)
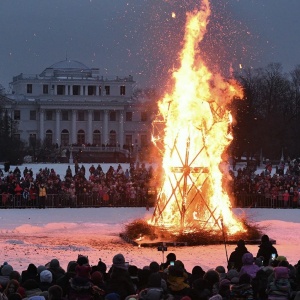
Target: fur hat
(82,260)
(46,276)
(119,261)
(6,270)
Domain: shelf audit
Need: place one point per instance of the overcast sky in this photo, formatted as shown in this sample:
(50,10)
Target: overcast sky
(140,37)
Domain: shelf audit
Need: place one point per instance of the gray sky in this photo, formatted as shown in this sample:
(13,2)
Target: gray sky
(140,38)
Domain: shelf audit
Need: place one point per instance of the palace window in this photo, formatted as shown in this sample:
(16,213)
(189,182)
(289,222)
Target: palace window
(129,116)
(29,88)
(32,115)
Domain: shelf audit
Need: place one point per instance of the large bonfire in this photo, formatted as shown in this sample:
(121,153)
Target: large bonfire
(192,131)
(196,134)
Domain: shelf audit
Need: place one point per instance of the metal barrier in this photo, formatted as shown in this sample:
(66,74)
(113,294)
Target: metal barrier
(94,200)
(65,200)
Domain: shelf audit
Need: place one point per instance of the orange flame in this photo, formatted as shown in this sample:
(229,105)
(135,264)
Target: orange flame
(196,134)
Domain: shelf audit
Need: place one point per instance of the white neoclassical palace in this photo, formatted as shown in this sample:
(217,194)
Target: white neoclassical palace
(69,103)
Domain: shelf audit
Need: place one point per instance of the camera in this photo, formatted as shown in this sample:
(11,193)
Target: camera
(162,248)
(172,263)
(273,256)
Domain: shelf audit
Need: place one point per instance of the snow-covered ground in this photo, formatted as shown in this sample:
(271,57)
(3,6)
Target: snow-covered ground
(36,236)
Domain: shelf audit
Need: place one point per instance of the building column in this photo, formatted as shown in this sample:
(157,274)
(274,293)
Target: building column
(105,127)
(66,90)
(71,90)
(42,121)
(121,129)
(73,129)
(90,127)
(57,127)
(55,89)
(81,90)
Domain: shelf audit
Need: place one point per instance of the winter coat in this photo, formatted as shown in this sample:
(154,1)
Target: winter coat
(241,291)
(80,289)
(279,289)
(265,250)
(248,265)
(235,258)
(120,283)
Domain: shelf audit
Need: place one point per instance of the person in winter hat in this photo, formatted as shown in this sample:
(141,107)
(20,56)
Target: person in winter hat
(6,270)
(154,289)
(119,262)
(45,280)
(56,270)
(235,258)
(64,281)
(120,281)
(266,249)
(243,289)
(30,273)
(279,287)
(249,267)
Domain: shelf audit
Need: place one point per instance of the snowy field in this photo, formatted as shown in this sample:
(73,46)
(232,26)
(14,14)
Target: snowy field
(36,236)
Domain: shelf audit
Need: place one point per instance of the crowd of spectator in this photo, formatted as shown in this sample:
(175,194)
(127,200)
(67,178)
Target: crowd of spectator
(130,185)
(280,184)
(267,276)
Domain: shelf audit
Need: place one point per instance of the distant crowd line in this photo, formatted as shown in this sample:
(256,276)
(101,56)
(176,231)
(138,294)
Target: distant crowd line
(114,187)
(279,185)
(267,276)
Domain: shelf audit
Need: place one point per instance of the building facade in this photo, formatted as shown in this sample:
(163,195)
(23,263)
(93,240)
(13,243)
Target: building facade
(71,104)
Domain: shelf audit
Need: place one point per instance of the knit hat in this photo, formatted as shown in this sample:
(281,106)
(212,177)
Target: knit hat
(112,296)
(36,298)
(224,283)
(97,278)
(54,263)
(6,270)
(119,261)
(281,258)
(46,276)
(233,273)
(83,271)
